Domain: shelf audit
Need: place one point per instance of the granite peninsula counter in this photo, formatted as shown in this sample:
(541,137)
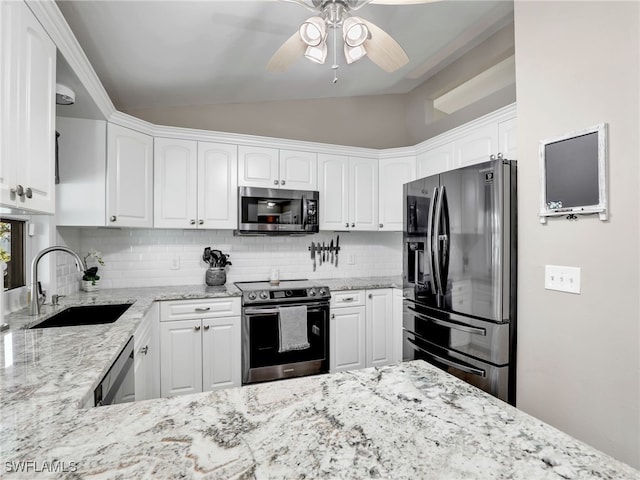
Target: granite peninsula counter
(408,420)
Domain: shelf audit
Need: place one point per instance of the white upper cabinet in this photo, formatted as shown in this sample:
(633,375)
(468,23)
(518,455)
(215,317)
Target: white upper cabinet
(217,185)
(363,193)
(27,104)
(195,184)
(333,184)
(129,178)
(348,192)
(435,160)
(298,170)
(274,168)
(175,165)
(393,174)
(477,146)
(508,139)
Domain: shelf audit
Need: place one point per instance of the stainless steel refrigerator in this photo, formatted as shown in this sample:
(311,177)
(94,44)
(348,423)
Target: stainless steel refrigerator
(459,308)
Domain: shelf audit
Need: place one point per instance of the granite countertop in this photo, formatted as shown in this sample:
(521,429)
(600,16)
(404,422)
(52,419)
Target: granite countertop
(403,421)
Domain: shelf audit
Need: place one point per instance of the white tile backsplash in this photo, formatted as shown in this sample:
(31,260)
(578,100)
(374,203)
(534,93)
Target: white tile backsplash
(142,257)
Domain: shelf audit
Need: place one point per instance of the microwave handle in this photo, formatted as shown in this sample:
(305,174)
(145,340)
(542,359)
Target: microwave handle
(305,212)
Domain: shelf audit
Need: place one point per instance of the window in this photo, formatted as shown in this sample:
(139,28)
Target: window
(12,242)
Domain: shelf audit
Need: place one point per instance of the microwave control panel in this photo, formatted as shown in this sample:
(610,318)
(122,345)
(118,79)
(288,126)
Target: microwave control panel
(312,212)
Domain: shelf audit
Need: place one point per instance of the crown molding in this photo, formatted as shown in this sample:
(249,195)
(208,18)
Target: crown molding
(54,23)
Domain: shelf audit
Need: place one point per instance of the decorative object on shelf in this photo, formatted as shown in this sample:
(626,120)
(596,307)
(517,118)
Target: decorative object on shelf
(324,253)
(359,37)
(90,277)
(216,274)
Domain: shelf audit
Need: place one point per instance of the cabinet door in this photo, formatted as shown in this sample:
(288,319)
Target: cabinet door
(363,193)
(129,178)
(508,139)
(435,160)
(147,356)
(347,339)
(477,146)
(379,329)
(9,54)
(221,357)
(175,167)
(258,167)
(393,174)
(181,357)
(298,170)
(333,185)
(217,185)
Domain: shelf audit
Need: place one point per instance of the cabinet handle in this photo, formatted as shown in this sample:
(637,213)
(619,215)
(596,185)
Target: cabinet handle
(381,225)
(348,299)
(206,327)
(201,222)
(192,222)
(112,218)
(281,182)
(144,350)
(203,309)
(370,295)
(353,225)
(28,192)
(197,328)
(275,182)
(333,315)
(346,224)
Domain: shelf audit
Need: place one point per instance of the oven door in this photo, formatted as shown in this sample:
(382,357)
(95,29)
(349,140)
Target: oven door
(261,360)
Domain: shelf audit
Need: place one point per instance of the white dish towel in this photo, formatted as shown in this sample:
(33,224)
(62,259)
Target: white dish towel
(293,328)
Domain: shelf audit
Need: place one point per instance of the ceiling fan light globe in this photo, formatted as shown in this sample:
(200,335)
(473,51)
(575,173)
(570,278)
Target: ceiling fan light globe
(354,32)
(353,54)
(313,31)
(317,54)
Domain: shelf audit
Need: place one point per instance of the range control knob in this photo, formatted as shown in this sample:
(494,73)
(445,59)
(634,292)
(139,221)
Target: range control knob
(264,295)
(322,292)
(312,292)
(288,293)
(251,295)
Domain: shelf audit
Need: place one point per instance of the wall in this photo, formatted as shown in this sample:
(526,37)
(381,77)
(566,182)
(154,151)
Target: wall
(577,65)
(142,257)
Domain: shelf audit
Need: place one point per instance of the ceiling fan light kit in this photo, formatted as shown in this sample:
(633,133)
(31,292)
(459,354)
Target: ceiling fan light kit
(360,37)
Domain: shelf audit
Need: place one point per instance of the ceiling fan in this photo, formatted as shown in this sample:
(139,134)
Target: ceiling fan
(360,37)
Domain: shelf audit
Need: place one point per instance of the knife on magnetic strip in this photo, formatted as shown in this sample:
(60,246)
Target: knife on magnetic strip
(337,249)
(313,255)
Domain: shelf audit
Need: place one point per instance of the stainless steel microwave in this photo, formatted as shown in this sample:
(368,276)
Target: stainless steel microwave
(272,211)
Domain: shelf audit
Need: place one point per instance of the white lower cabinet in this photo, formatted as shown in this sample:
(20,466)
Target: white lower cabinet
(146,348)
(199,345)
(361,331)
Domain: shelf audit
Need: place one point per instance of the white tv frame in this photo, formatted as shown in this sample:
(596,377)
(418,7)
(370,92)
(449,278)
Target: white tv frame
(601,207)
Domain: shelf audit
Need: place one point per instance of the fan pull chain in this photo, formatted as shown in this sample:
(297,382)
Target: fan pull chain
(335,65)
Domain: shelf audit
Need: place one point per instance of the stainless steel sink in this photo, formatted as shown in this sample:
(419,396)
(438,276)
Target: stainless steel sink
(85,315)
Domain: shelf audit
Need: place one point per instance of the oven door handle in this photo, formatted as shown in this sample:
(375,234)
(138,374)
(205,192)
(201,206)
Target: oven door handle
(268,311)
(467,369)
(454,326)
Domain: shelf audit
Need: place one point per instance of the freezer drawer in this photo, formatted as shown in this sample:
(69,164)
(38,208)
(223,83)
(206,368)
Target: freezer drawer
(486,341)
(490,378)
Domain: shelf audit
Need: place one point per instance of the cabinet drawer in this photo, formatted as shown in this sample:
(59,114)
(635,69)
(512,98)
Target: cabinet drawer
(347,298)
(204,308)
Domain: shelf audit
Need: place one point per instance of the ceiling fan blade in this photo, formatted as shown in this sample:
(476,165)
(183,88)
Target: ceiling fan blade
(383,50)
(400,2)
(288,53)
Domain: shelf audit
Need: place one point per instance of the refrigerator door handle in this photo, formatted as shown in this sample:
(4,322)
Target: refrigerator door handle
(430,245)
(453,326)
(465,368)
(437,260)
(444,237)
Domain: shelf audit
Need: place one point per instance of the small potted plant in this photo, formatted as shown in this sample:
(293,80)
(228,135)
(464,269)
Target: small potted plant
(90,278)
(216,274)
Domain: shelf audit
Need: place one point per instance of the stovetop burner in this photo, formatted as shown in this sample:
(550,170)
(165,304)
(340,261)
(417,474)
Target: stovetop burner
(285,292)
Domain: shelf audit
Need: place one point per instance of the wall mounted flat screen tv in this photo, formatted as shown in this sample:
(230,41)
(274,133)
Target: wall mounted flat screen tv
(573,174)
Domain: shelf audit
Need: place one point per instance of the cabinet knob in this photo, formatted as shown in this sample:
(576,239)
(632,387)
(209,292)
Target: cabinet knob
(19,191)
(144,350)
(275,182)
(192,222)
(333,315)
(370,295)
(381,225)
(353,225)
(206,327)
(197,328)
(112,218)
(281,182)
(200,222)
(28,192)
(346,224)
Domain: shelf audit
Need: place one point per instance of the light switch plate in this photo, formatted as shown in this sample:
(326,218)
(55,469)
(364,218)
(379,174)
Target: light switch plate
(562,279)
(175,263)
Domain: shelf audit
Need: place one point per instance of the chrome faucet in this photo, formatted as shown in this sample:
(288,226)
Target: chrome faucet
(34,308)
